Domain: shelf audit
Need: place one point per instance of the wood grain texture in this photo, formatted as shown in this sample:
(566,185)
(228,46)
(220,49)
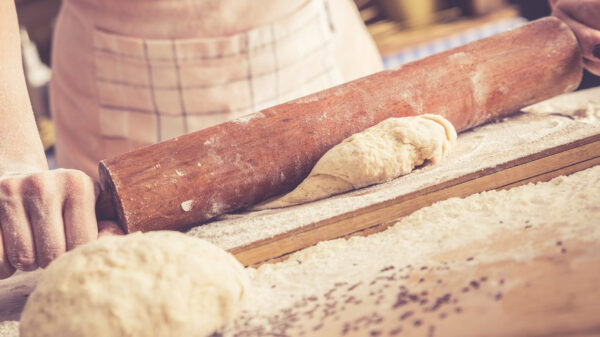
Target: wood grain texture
(239,163)
(521,149)
(479,289)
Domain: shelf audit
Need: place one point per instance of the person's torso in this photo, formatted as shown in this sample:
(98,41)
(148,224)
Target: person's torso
(131,73)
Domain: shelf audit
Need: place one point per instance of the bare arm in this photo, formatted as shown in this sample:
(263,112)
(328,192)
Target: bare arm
(21,147)
(43,213)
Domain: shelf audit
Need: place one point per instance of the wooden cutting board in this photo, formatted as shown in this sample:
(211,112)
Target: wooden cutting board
(526,147)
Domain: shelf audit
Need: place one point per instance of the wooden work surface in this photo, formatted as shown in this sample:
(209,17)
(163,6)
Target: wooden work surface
(553,293)
(520,149)
(527,281)
(481,289)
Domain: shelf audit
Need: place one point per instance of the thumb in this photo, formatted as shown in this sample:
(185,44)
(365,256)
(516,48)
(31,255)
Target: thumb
(107,228)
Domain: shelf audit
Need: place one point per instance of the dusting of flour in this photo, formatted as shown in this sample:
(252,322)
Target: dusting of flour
(330,270)
(311,279)
(582,105)
(9,329)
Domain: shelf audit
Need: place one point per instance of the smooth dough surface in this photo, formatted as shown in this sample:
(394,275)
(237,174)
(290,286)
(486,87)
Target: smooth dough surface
(383,152)
(153,284)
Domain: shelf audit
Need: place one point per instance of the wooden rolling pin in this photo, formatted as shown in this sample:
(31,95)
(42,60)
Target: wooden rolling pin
(190,179)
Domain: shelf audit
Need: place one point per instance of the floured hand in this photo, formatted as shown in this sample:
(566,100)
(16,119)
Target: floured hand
(43,214)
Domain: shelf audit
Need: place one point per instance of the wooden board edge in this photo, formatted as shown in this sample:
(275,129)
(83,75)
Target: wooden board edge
(541,166)
(567,170)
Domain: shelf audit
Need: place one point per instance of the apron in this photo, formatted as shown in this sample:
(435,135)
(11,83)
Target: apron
(115,90)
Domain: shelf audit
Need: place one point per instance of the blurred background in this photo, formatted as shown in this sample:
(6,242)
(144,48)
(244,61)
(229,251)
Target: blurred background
(404,31)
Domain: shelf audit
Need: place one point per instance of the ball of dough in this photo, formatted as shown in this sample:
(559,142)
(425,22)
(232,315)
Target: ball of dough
(153,284)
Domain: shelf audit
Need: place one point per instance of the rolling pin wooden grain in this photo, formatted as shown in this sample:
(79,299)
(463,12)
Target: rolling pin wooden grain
(193,178)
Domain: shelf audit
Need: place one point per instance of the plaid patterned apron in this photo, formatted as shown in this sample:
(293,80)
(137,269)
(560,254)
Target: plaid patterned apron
(146,90)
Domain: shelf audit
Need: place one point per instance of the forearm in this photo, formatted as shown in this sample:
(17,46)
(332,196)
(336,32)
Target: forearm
(20,145)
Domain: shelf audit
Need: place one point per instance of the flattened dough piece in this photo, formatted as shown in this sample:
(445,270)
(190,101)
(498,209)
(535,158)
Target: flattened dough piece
(154,284)
(381,153)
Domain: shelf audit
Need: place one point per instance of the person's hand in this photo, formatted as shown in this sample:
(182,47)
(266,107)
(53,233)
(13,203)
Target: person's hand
(43,214)
(583,16)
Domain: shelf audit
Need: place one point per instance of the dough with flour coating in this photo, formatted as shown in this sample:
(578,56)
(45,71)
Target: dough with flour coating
(383,152)
(153,284)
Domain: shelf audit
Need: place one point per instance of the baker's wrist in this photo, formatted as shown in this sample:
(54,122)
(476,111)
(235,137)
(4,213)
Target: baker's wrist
(20,168)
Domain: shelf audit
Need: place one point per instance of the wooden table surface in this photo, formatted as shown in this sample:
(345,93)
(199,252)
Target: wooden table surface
(557,293)
(459,292)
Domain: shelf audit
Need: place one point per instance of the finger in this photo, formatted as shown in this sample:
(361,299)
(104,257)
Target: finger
(587,37)
(108,228)
(79,212)
(586,12)
(97,189)
(6,269)
(45,217)
(17,235)
(592,66)
(80,219)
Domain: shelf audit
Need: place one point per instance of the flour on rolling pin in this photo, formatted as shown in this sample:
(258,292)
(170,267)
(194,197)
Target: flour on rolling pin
(435,266)
(187,205)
